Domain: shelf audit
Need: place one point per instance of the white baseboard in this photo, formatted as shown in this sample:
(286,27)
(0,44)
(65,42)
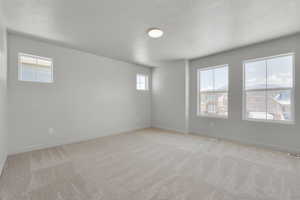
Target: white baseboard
(246,142)
(169,129)
(254,144)
(71,141)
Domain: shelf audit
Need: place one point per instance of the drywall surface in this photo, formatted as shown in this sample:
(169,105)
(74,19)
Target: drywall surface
(274,135)
(91,96)
(3,90)
(168,96)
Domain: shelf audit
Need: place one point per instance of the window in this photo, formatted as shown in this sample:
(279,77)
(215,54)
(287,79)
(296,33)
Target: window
(142,82)
(35,68)
(213,91)
(269,89)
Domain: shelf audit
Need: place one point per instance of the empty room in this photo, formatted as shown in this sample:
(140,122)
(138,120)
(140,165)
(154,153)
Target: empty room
(149,100)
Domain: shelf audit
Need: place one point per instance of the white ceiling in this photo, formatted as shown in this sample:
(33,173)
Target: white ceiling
(117,28)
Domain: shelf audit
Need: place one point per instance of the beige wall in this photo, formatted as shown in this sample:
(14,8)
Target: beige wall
(91,96)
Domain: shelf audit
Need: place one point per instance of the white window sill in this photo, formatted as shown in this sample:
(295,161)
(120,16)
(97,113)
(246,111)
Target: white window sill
(212,116)
(30,81)
(271,121)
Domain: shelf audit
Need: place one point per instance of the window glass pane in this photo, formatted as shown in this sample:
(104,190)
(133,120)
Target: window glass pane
(221,78)
(208,103)
(256,105)
(35,69)
(28,73)
(138,79)
(280,72)
(206,80)
(142,86)
(141,82)
(142,79)
(214,104)
(279,105)
(43,74)
(222,104)
(255,75)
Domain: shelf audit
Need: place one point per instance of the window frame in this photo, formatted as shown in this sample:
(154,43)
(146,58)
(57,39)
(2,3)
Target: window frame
(20,68)
(146,83)
(292,89)
(199,113)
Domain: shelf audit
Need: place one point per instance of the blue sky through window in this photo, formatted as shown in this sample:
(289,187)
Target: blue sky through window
(214,79)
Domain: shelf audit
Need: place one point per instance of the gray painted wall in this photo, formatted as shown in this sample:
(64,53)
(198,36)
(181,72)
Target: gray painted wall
(278,136)
(3,81)
(94,96)
(91,96)
(168,96)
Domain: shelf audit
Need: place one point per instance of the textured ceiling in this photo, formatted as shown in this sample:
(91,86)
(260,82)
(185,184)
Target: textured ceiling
(117,28)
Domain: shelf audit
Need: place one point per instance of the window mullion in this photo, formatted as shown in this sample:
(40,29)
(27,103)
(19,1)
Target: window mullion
(213,80)
(266,92)
(269,89)
(198,93)
(213,92)
(214,96)
(35,71)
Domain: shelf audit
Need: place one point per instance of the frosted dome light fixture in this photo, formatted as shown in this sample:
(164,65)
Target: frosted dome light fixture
(155,33)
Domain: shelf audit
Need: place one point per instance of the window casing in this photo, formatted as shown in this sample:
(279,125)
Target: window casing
(268,92)
(212,91)
(35,68)
(142,82)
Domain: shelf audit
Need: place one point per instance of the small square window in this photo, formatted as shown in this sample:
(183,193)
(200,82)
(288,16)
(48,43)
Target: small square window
(35,68)
(142,82)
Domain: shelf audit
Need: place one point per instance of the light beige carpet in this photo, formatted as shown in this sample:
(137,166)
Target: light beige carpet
(151,165)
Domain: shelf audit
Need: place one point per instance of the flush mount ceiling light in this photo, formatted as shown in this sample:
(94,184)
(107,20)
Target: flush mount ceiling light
(155,33)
